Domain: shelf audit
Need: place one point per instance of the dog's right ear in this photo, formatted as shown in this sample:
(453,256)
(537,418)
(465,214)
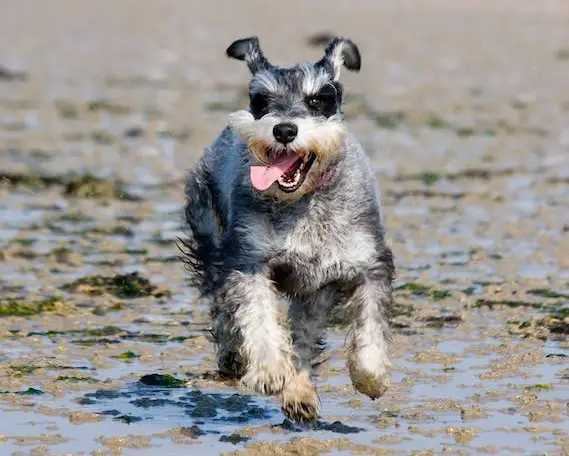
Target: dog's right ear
(248,49)
(341,52)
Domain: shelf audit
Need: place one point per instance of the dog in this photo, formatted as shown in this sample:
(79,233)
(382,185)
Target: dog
(283,205)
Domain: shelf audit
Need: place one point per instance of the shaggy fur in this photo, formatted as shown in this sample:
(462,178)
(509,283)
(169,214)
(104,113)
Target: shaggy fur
(320,247)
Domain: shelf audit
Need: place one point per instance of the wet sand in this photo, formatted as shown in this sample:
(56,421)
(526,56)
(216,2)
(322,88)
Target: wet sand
(104,106)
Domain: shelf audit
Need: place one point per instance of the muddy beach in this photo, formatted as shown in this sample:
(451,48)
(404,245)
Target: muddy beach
(104,343)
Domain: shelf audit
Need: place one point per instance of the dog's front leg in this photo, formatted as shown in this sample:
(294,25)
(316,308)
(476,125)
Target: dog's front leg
(368,358)
(247,302)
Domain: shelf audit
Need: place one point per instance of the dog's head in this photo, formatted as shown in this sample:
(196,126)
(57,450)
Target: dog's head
(294,125)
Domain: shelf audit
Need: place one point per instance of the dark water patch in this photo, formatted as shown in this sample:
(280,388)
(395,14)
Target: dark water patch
(164,260)
(547,293)
(234,438)
(192,431)
(133,132)
(336,427)
(27,392)
(128,419)
(122,286)
(162,394)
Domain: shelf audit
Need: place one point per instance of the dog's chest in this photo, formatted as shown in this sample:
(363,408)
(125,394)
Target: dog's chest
(326,241)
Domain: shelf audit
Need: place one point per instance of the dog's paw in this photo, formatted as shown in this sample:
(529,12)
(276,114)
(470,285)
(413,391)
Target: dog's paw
(268,379)
(300,402)
(231,364)
(371,384)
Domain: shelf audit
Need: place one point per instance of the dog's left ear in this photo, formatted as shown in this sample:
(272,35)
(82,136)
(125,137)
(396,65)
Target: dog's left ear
(249,50)
(341,52)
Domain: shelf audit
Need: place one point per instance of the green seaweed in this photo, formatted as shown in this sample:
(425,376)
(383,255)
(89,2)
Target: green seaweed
(126,355)
(95,332)
(163,380)
(74,379)
(20,307)
(66,109)
(505,303)
(547,293)
(442,320)
(106,106)
(89,186)
(539,387)
(122,286)
(416,289)
(389,120)
(437,122)
(430,178)
(465,132)
(439,295)
(101,310)
(28,392)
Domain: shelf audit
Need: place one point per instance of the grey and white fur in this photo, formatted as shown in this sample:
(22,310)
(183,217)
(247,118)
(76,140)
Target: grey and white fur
(317,242)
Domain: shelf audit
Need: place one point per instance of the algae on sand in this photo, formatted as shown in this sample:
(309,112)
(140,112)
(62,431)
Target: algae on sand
(20,307)
(122,286)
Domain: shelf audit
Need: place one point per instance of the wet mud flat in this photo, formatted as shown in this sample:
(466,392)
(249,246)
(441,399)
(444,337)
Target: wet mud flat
(104,344)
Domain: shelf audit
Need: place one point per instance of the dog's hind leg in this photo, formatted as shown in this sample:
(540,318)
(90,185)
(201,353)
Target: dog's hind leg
(369,336)
(246,315)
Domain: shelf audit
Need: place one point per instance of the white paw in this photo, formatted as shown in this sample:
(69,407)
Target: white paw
(268,379)
(299,399)
(371,382)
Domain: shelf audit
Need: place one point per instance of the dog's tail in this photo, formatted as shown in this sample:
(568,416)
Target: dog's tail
(200,247)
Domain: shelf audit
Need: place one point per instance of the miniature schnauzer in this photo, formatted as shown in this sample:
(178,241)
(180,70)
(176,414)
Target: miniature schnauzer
(284,205)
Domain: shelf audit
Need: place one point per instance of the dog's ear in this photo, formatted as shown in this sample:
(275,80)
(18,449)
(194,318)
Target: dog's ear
(341,52)
(248,49)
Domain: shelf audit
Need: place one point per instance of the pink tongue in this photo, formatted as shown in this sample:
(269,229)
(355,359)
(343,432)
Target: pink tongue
(262,177)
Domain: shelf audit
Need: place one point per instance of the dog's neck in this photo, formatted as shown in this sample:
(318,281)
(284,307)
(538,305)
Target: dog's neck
(327,176)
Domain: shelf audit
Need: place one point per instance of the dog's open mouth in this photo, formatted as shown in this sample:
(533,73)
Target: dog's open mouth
(289,171)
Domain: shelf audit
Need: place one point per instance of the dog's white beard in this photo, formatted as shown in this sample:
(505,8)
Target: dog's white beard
(323,137)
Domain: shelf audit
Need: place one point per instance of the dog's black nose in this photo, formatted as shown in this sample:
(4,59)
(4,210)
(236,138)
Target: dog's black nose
(285,132)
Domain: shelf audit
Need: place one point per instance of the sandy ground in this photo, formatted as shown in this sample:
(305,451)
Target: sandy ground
(104,106)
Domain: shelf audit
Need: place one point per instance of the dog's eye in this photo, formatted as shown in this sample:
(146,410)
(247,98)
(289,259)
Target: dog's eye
(314,102)
(259,104)
(323,103)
